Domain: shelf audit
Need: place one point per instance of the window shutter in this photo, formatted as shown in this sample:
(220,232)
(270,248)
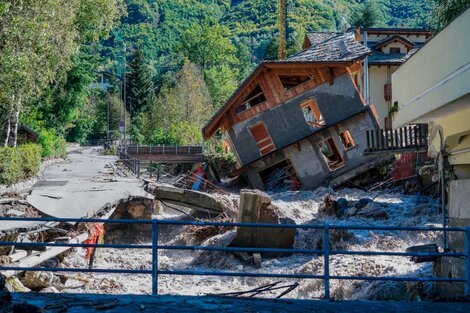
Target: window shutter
(263,140)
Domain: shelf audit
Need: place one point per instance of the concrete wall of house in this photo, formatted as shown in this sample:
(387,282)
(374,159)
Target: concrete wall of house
(459,216)
(286,123)
(436,75)
(309,163)
(433,87)
(379,76)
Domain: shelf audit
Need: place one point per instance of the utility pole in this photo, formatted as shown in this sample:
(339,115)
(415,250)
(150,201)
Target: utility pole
(282,29)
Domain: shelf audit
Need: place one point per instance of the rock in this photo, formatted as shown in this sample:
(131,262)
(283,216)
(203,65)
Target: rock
(342,203)
(362,203)
(373,210)
(256,207)
(39,280)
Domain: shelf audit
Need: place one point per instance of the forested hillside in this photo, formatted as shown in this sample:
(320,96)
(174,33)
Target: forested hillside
(181,50)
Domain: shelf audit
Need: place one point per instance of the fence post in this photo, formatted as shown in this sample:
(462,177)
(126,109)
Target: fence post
(138,168)
(154,257)
(150,169)
(326,259)
(467,261)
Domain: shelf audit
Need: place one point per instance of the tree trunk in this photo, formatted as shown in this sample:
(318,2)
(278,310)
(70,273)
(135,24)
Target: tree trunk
(14,120)
(4,128)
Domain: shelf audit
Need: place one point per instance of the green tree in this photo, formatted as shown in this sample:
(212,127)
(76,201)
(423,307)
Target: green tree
(209,45)
(139,84)
(446,10)
(368,16)
(38,39)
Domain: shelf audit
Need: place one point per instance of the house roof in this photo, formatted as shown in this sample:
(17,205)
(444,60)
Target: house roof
(396,37)
(390,59)
(28,130)
(342,49)
(338,48)
(396,30)
(315,38)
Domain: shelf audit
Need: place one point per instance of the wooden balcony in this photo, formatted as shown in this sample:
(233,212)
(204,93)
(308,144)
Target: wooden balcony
(391,141)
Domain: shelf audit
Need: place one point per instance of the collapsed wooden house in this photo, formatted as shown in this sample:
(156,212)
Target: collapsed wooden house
(301,120)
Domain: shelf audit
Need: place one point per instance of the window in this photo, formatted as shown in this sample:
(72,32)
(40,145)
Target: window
(347,140)
(254,98)
(394,50)
(331,153)
(312,114)
(292,81)
(263,140)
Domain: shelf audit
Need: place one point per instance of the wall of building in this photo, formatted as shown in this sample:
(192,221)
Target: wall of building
(436,75)
(308,161)
(286,123)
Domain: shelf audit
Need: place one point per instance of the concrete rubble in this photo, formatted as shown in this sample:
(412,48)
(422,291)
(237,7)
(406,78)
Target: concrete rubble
(256,207)
(199,201)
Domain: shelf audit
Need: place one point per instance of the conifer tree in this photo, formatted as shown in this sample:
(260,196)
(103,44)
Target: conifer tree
(139,84)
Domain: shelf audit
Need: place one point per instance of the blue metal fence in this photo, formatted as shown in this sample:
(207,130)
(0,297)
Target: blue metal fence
(326,252)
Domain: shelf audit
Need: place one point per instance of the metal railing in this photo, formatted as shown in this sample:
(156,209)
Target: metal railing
(169,150)
(131,163)
(326,252)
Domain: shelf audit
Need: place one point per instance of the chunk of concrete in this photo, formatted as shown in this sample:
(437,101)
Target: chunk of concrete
(256,207)
(196,200)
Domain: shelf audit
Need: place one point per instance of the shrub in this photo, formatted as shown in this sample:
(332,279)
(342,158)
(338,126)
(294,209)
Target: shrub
(19,163)
(10,166)
(30,157)
(52,145)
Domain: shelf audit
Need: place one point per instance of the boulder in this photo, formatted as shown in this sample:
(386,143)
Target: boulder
(39,280)
(342,203)
(362,203)
(256,207)
(374,211)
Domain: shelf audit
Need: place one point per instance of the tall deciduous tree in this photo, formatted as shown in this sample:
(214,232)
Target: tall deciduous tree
(209,45)
(37,40)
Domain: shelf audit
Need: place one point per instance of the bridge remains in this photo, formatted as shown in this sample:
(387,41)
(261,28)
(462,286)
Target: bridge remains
(167,154)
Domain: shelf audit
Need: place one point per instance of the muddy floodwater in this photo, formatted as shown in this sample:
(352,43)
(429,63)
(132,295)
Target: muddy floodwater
(302,207)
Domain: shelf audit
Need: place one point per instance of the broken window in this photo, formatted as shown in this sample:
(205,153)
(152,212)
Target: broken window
(292,81)
(331,153)
(254,98)
(347,140)
(263,140)
(312,113)
(280,177)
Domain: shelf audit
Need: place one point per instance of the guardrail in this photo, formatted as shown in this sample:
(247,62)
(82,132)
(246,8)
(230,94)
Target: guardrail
(131,163)
(326,252)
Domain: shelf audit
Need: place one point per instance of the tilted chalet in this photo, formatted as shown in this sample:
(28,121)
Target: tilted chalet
(300,120)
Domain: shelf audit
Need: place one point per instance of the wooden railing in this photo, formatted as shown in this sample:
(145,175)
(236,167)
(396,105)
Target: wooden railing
(408,138)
